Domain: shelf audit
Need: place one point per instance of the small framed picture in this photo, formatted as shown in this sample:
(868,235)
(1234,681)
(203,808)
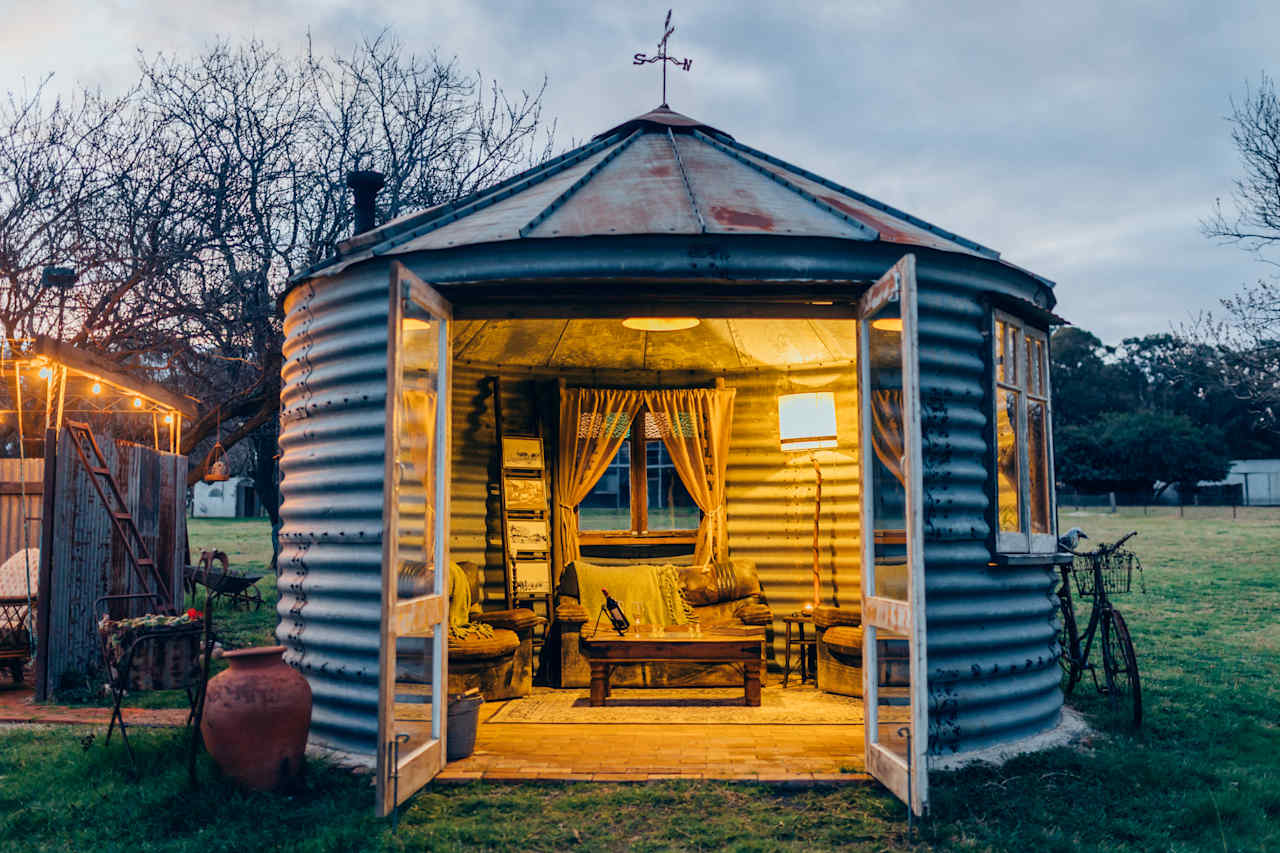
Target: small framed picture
(522,452)
(526,493)
(532,577)
(528,535)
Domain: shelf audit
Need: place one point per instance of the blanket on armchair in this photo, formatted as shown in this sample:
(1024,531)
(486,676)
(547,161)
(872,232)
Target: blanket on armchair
(648,595)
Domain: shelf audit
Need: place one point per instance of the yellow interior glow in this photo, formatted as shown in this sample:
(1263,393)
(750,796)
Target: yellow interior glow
(888,324)
(660,324)
(807,421)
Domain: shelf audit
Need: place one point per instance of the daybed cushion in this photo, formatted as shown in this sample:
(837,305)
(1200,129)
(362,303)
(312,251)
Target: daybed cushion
(649,595)
(502,643)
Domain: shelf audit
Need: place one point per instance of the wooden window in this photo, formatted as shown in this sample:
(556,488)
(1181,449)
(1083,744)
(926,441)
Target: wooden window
(641,498)
(1025,518)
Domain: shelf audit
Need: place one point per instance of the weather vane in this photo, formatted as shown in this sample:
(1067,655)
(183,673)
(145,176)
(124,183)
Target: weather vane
(663,57)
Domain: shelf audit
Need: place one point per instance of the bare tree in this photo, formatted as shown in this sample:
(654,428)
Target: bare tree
(187,203)
(1244,336)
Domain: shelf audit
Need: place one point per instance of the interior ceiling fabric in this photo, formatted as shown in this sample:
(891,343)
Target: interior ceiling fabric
(607,344)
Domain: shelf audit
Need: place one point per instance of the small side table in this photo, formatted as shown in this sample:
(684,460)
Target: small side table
(808,645)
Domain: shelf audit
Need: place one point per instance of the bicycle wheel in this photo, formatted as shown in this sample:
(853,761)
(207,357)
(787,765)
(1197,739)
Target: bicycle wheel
(1068,642)
(1124,689)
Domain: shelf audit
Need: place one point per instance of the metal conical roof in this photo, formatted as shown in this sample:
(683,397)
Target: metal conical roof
(658,173)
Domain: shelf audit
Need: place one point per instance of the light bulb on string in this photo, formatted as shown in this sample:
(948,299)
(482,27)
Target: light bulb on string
(168,418)
(97,388)
(45,373)
(137,402)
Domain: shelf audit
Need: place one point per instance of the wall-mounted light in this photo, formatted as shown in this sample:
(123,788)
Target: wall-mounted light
(807,421)
(887,324)
(660,324)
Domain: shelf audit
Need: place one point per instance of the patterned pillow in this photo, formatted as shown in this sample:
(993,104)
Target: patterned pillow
(13,574)
(716,582)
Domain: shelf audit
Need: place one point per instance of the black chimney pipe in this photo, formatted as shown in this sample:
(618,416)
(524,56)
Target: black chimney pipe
(365,184)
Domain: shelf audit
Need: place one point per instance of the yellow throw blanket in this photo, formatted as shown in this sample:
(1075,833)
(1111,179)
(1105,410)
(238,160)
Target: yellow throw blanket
(648,595)
(460,625)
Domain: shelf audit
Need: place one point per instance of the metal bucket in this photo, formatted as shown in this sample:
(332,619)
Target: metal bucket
(464,719)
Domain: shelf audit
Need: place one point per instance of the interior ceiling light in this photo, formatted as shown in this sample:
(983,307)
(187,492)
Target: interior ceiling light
(888,324)
(660,324)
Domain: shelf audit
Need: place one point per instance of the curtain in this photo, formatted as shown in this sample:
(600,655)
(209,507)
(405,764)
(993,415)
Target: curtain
(594,422)
(695,424)
(886,430)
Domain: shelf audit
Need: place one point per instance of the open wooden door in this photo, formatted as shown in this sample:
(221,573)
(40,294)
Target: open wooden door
(893,527)
(413,660)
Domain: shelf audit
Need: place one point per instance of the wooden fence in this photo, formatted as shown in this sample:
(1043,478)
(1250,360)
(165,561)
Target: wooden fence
(83,558)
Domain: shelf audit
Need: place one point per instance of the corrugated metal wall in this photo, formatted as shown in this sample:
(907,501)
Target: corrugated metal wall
(88,559)
(14,514)
(332,411)
(993,673)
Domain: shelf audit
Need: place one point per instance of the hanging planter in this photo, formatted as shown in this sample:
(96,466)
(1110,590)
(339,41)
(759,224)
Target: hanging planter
(216,465)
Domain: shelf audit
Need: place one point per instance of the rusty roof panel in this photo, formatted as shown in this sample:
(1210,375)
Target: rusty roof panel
(640,192)
(503,220)
(735,199)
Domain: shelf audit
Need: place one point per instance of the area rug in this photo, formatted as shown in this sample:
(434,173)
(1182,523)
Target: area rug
(690,706)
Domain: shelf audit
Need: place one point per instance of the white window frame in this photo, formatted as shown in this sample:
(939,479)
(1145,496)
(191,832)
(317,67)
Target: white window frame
(1022,541)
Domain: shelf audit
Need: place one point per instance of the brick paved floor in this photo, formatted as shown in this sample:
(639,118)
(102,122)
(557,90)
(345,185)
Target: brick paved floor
(17,705)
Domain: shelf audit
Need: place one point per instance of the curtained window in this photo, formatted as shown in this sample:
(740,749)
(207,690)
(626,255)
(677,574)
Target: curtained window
(654,460)
(641,492)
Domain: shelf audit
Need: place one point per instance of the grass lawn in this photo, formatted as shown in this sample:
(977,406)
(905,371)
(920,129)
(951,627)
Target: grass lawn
(1203,774)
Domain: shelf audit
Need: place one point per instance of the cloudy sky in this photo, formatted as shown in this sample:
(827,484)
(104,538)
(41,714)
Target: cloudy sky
(1085,141)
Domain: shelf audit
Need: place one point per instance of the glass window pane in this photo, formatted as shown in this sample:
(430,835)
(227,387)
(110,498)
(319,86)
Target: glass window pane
(670,505)
(884,343)
(608,505)
(1007,480)
(1038,465)
(1001,360)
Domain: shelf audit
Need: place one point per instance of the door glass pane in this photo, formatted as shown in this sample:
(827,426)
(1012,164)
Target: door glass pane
(1007,460)
(884,397)
(417,574)
(608,505)
(1038,465)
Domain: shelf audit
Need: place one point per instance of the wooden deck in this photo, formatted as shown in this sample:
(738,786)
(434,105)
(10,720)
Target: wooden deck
(639,752)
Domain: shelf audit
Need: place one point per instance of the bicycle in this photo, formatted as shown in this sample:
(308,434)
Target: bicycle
(1108,570)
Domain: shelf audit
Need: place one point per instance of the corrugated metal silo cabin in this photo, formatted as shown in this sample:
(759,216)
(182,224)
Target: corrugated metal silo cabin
(932,346)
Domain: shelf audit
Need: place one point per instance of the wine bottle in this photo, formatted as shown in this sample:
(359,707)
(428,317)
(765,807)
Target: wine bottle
(614,611)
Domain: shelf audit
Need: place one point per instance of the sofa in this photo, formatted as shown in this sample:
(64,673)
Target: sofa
(839,651)
(499,662)
(715,594)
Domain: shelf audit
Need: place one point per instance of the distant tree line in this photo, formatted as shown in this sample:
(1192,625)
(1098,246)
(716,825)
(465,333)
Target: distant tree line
(186,203)
(1153,412)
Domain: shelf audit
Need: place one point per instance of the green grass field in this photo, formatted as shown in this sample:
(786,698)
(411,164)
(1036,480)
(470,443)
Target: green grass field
(1203,773)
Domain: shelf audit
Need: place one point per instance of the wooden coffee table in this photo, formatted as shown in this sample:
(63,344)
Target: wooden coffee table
(659,645)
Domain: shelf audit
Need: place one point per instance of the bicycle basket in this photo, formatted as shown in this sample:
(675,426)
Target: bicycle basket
(1117,572)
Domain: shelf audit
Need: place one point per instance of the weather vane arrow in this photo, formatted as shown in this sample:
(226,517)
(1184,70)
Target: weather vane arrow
(663,57)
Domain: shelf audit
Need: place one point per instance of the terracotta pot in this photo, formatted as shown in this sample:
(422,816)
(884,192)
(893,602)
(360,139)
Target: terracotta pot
(256,716)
